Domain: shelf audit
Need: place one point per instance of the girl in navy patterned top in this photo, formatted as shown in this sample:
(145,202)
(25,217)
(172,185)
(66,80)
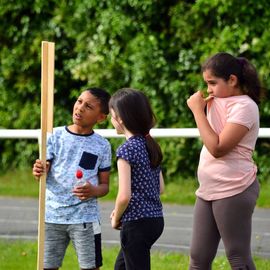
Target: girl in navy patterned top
(138,209)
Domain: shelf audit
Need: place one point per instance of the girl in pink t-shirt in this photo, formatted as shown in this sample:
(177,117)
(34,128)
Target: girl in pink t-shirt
(228,187)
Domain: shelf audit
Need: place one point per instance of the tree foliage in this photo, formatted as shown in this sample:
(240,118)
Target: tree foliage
(154,46)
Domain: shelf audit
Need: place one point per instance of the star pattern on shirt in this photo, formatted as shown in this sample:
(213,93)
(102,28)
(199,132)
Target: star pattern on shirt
(145,187)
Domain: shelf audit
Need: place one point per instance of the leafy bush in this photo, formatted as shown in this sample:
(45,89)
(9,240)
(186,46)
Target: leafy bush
(154,46)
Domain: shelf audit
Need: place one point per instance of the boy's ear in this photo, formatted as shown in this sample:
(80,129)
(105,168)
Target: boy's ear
(102,117)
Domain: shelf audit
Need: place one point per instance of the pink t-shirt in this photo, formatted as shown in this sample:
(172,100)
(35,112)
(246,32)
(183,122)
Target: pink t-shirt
(234,172)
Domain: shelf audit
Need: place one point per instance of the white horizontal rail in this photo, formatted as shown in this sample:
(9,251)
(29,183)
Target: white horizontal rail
(111,133)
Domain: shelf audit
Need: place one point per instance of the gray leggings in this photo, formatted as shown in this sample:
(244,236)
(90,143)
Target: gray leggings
(228,219)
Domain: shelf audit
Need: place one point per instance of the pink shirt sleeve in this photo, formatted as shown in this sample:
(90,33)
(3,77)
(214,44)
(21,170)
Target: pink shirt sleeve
(245,113)
(242,113)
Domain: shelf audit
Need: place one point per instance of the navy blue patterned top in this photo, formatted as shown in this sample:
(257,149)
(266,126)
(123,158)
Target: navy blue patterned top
(145,186)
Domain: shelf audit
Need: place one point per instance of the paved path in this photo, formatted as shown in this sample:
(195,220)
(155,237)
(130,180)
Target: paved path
(18,220)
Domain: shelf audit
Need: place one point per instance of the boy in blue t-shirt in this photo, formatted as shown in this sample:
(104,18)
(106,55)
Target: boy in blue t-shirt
(72,213)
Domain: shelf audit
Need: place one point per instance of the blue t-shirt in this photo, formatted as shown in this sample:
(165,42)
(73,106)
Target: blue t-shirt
(68,152)
(145,185)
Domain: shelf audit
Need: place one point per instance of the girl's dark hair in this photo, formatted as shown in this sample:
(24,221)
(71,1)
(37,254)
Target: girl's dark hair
(133,107)
(223,65)
(103,96)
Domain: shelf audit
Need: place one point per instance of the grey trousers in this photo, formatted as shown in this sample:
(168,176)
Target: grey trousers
(229,219)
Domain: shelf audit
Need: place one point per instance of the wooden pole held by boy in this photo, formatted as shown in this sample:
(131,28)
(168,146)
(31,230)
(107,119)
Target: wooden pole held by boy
(47,87)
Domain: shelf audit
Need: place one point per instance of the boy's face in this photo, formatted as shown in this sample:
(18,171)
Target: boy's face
(87,111)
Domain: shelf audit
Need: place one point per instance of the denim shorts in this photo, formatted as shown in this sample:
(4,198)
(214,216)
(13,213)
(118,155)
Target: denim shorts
(86,239)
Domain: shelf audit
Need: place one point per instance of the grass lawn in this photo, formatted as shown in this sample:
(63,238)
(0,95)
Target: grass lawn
(23,255)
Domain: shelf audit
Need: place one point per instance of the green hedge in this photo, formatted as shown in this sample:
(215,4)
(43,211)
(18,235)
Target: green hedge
(155,46)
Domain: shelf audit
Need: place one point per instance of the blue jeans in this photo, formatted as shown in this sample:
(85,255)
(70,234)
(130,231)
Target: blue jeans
(137,238)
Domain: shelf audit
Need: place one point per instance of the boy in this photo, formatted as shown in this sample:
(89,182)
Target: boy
(72,212)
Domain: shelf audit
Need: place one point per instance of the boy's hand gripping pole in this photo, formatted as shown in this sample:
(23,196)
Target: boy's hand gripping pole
(47,87)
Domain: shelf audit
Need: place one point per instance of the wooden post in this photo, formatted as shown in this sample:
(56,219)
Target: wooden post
(47,87)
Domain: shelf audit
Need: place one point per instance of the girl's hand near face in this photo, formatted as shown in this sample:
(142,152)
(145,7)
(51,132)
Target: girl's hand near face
(197,102)
(217,144)
(207,99)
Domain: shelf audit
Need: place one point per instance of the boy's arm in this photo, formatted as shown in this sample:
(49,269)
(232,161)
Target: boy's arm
(88,190)
(39,168)
(103,187)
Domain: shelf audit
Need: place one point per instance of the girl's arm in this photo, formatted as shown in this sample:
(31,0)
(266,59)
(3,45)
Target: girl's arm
(124,192)
(217,145)
(161,182)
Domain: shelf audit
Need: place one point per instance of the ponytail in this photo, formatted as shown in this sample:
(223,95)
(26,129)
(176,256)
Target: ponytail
(249,81)
(154,151)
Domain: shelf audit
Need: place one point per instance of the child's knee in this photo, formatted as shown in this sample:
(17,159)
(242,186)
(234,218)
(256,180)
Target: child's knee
(200,260)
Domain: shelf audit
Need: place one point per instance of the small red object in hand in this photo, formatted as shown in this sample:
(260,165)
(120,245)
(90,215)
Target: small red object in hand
(79,174)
